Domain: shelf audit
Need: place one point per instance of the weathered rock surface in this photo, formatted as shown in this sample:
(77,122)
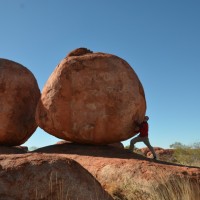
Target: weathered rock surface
(91,98)
(45,177)
(19,95)
(115,167)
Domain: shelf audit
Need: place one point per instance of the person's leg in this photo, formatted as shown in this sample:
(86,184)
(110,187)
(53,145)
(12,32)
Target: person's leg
(147,143)
(133,141)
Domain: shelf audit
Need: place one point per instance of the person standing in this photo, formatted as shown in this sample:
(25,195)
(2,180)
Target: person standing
(143,137)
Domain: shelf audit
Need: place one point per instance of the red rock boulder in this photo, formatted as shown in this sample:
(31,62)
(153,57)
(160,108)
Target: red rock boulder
(19,95)
(45,177)
(91,98)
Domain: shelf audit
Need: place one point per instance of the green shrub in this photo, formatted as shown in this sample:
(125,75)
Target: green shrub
(187,155)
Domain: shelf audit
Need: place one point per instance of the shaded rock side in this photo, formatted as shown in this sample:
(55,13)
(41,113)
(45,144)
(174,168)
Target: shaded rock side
(19,95)
(13,150)
(44,177)
(91,98)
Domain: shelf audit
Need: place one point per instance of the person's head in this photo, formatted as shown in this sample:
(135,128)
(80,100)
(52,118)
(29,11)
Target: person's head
(146,118)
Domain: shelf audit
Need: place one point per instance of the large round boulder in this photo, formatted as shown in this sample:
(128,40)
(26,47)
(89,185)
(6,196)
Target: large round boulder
(91,98)
(19,95)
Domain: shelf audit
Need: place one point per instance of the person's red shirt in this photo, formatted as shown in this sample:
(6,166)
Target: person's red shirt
(144,128)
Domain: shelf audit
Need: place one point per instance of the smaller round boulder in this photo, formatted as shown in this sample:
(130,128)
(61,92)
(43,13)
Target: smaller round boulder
(19,95)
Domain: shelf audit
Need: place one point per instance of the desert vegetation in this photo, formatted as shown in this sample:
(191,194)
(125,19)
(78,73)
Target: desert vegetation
(187,154)
(174,188)
(32,148)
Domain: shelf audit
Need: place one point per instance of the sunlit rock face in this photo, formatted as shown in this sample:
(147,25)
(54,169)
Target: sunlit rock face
(19,95)
(91,98)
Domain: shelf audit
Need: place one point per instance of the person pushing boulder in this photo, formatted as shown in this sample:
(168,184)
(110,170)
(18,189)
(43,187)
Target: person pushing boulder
(143,129)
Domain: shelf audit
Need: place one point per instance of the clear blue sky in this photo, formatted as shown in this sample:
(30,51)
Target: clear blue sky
(160,39)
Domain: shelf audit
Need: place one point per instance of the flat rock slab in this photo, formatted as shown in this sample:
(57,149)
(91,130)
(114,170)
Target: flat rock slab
(111,165)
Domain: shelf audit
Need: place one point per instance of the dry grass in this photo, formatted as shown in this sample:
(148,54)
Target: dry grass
(55,190)
(128,189)
(58,190)
(174,188)
(177,188)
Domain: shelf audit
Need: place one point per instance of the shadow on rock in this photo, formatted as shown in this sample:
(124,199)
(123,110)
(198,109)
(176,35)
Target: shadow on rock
(13,150)
(105,151)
